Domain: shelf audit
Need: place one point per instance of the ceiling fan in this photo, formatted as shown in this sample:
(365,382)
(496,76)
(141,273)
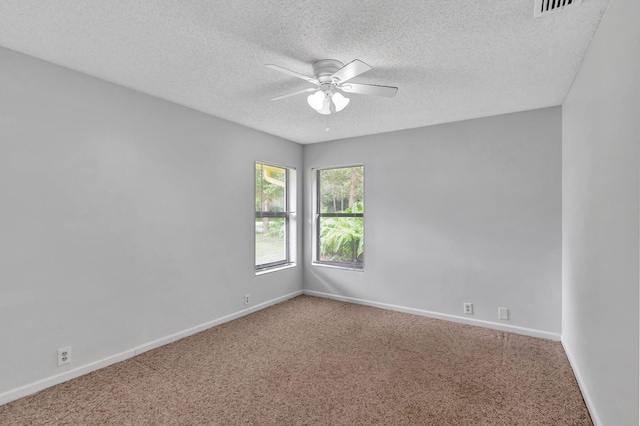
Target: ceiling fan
(330,78)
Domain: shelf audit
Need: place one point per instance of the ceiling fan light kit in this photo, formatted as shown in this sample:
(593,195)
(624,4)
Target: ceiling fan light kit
(330,78)
(321,101)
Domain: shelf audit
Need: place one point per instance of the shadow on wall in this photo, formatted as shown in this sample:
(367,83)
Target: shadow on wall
(330,280)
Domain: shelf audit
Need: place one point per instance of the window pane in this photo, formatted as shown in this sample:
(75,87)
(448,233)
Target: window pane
(341,190)
(270,188)
(341,240)
(270,240)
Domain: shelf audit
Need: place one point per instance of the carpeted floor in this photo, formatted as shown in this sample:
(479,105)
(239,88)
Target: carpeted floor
(311,361)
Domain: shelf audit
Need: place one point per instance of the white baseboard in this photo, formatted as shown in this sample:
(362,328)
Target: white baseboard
(464,320)
(583,388)
(22,391)
(193,330)
(17,393)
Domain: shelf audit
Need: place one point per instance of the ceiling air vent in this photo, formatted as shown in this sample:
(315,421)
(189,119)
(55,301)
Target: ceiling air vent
(547,7)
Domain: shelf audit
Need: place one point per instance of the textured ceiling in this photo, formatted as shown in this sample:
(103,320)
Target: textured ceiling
(451,60)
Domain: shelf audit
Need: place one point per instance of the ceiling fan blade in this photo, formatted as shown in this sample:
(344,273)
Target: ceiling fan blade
(299,92)
(293,73)
(369,89)
(352,69)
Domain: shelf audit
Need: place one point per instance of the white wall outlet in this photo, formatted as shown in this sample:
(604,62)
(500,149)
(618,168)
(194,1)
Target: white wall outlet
(64,356)
(468,308)
(503,313)
(247,299)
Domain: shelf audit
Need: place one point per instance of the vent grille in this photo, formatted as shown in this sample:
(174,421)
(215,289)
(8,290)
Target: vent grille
(547,7)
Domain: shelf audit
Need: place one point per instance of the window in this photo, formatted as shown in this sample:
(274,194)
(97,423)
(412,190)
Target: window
(273,220)
(339,222)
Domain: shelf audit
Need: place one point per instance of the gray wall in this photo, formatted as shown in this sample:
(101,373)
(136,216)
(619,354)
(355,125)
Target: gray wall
(124,218)
(601,137)
(461,212)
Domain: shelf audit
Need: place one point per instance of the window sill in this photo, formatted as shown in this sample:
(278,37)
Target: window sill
(275,268)
(325,265)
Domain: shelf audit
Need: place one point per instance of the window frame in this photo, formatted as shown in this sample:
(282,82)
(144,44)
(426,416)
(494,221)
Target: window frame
(315,258)
(287,214)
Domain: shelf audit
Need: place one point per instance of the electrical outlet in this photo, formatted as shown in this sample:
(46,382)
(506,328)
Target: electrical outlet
(247,299)
(468,308)
(503,313)
(64,356)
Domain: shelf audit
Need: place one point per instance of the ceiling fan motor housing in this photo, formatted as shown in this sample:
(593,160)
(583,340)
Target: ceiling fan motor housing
(325,68)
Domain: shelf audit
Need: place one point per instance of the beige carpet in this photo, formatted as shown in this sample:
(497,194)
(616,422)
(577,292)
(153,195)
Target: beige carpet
(311,361)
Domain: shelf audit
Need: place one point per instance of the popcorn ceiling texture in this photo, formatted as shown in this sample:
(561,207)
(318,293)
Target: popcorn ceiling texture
(452,60)
(311,361)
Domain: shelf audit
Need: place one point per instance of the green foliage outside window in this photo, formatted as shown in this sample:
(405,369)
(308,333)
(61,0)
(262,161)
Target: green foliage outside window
(341,238)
